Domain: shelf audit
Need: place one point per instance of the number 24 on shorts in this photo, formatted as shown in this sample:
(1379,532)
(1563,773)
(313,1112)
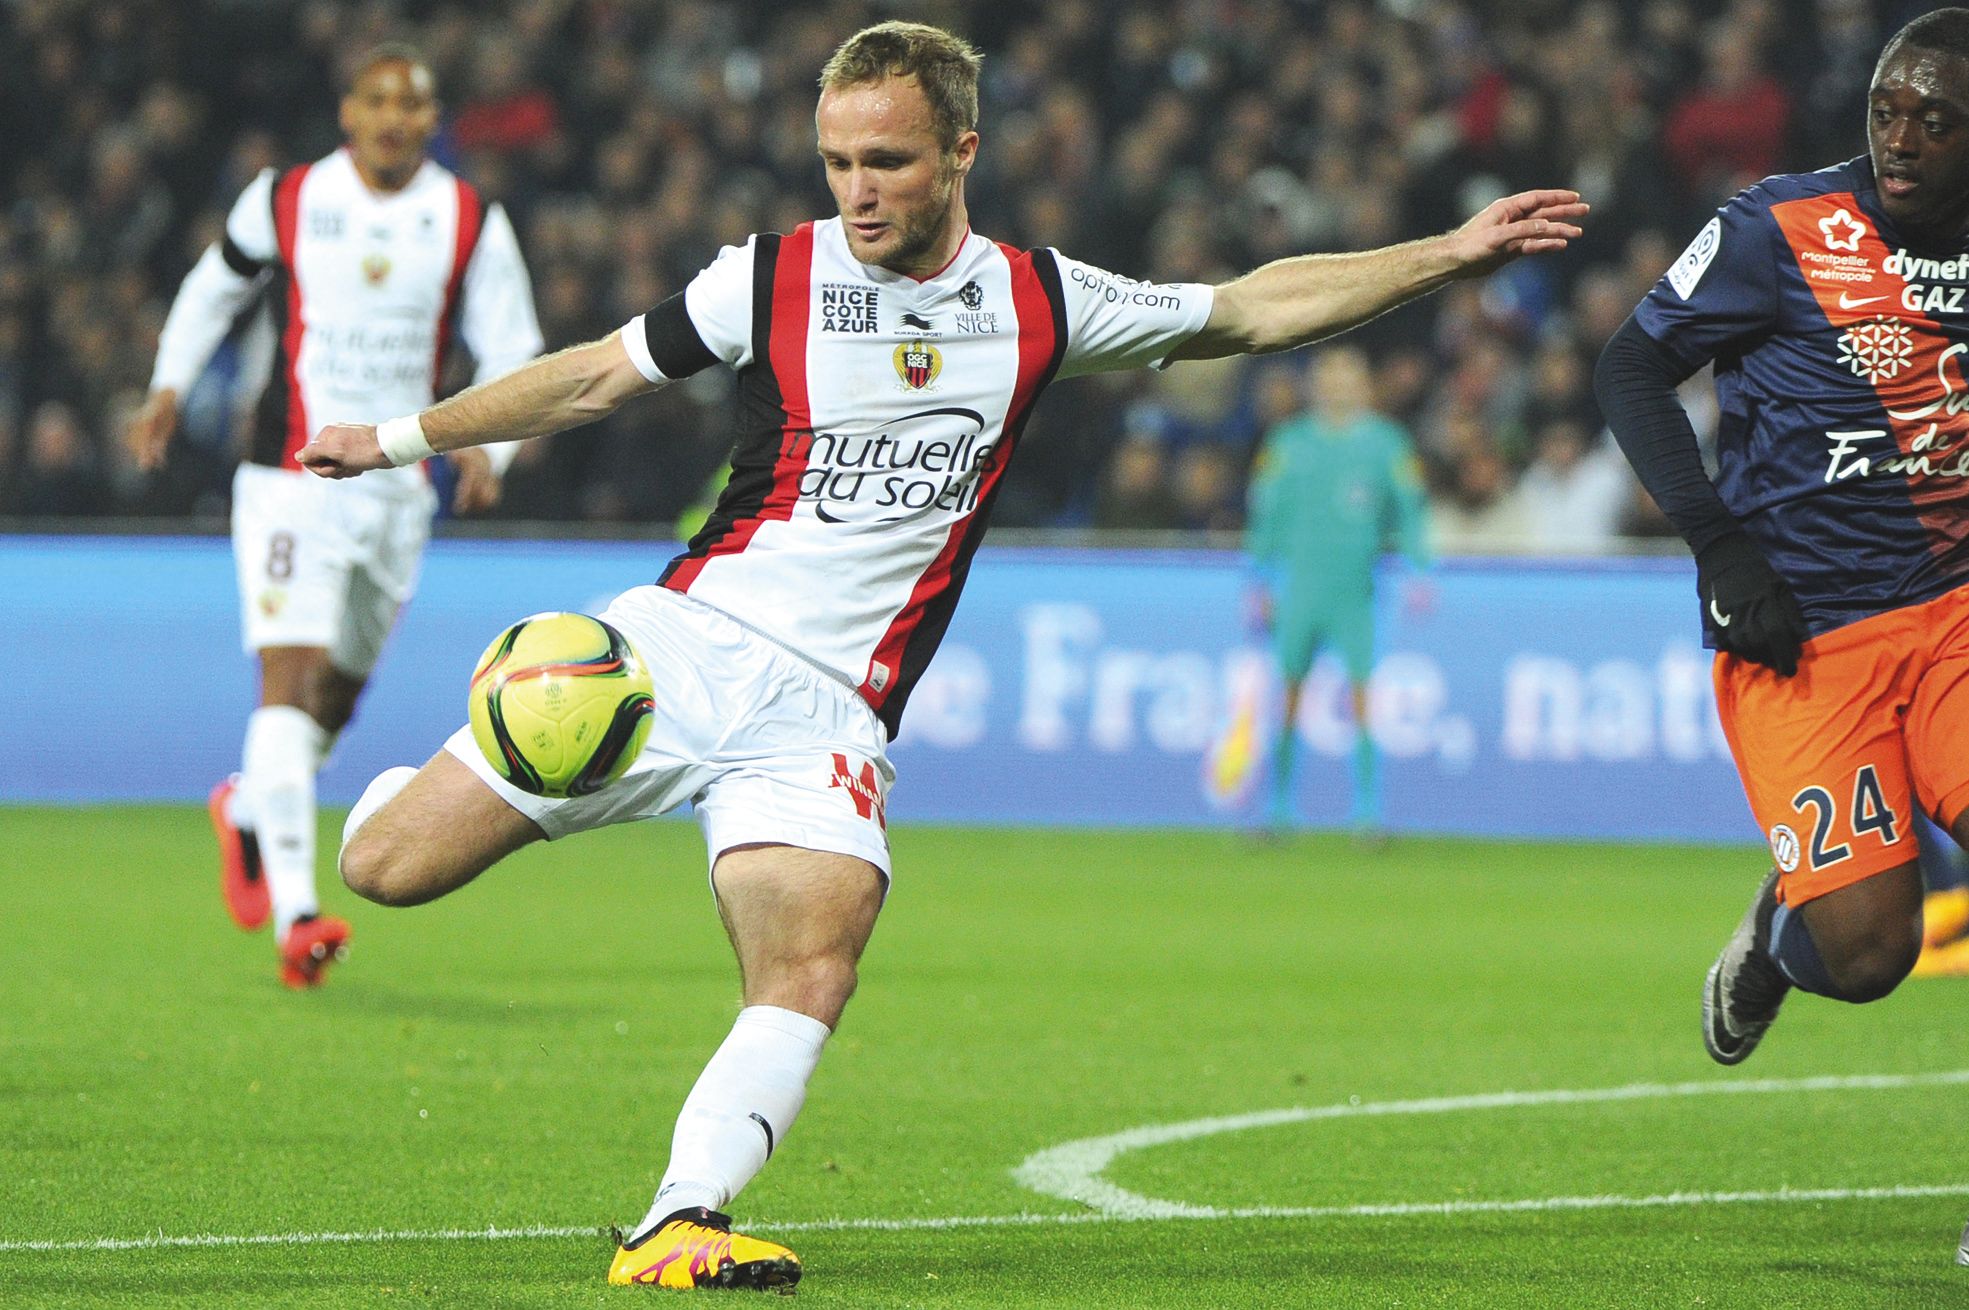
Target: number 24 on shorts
(1870,813)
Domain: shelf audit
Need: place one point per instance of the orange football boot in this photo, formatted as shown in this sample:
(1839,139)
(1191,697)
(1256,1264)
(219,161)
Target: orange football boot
(240,878)
(311,945)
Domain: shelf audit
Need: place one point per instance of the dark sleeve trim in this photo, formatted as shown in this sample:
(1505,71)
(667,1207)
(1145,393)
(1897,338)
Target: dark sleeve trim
(1047,269)
(674,344)
(1635,383)
(238,260)
(765,271)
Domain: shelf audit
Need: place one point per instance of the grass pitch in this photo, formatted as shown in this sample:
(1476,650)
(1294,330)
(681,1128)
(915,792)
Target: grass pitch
(512,1058)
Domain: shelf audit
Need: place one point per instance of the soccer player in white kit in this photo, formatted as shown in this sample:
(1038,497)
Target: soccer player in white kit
(887,360)
(372,258)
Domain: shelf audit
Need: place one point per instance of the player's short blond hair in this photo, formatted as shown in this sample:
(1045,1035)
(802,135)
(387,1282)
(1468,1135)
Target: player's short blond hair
(945,66)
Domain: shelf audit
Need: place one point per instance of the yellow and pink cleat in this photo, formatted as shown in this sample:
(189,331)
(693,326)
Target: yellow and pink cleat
(697,1248)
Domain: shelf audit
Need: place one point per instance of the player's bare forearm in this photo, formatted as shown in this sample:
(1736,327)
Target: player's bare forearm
(553,393)
(1294,302)
(560,391)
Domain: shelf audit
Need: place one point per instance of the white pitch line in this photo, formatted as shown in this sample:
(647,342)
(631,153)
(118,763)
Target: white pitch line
(1781,1196)
(1072,1170)
(1146,1209)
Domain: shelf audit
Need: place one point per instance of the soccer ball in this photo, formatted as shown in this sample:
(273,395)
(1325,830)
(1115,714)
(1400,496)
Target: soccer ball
(560,704)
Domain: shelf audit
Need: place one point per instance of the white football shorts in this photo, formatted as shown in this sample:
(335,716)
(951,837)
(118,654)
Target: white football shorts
(767,747)
(322,563)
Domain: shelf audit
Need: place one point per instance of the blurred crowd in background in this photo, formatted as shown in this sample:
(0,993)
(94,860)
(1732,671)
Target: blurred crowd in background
(1168,139)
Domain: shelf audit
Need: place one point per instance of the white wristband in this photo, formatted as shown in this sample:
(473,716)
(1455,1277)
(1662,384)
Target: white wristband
(402,440)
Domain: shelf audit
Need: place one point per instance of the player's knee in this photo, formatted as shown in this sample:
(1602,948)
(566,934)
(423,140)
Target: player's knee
(376,871)
(363,866)
(829,979)
(1875,970)
(818,985)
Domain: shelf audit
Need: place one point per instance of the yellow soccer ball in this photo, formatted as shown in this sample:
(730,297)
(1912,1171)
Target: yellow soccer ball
(560,704)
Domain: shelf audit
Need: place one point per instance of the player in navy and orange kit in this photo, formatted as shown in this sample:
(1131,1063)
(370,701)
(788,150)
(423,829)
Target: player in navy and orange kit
(1832,549)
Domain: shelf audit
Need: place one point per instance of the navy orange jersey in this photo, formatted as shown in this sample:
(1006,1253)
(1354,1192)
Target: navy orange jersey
(1839,355)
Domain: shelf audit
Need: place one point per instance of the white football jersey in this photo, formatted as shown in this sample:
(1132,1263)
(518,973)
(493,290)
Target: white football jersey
(366,291)
(878,415)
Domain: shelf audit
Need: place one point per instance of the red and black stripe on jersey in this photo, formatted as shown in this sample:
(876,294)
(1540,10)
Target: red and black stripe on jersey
(465,239)
(283,424)
(919,629)
(771,439)
(283,421)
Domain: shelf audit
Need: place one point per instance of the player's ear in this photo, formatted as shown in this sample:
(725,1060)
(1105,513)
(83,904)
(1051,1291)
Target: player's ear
(345,114)
(964,153)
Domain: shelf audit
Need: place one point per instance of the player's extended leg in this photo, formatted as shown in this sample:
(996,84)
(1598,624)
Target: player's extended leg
(417,834)
(798,921)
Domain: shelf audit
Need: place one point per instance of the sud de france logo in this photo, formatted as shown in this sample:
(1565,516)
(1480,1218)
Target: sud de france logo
(1877,350)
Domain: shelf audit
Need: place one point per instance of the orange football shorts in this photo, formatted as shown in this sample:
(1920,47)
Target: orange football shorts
(1835,758)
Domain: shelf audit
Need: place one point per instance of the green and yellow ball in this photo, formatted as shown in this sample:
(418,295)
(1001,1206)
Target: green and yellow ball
(560,704)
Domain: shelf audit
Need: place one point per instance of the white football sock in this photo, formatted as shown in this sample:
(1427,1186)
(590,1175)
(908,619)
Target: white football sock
(743,1103)
(382,789)
(239,812)
(283,744)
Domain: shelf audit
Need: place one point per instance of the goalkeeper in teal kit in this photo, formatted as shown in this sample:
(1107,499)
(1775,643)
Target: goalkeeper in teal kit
(1332,490)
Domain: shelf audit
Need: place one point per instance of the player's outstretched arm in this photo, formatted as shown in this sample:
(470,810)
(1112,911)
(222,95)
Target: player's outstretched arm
(556,392)
(149,433)
(1292,302)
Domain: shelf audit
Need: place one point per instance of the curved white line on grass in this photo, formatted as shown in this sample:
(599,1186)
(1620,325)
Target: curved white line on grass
(1027,1219)
(1077,1164)
(1072,1170)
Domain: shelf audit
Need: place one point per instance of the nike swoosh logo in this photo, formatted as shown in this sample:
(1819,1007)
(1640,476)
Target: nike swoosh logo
(1722,619)
(1847,302)
(824,516)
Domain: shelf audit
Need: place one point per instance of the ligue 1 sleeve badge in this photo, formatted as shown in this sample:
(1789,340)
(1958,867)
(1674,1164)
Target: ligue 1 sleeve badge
(918,363)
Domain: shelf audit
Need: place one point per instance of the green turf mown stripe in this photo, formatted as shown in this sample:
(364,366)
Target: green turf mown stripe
(1781,1196)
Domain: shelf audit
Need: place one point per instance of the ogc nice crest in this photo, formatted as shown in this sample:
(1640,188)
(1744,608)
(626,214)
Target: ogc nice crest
(918,363)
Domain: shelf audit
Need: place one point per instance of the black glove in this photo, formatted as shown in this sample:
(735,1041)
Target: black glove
(1747,605)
